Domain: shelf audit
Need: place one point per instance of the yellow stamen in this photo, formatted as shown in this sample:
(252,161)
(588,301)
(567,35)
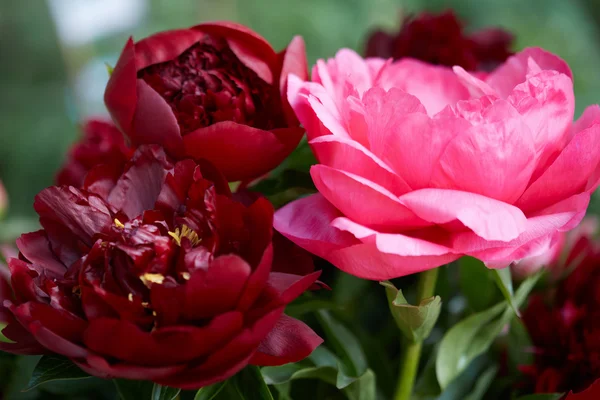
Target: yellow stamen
(186,232)
(154,313)
(147,279)
(119,224)
(130,297)
(145,304)
(77,291)
(186,276)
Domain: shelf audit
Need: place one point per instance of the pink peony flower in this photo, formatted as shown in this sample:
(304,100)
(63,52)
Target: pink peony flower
(421,164)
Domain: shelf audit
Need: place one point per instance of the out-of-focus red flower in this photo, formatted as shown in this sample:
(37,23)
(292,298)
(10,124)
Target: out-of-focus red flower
(439,39)
(213,91)
(564,325)
(101,143)
(154,273)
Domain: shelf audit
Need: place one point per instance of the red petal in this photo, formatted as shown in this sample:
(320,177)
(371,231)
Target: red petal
(257,281)
(227,360)
(138,188)
(36,248)
(98,366)
(293,62)
(217,290)
(120,96)
(240,151)
(164,46)
(289,341)
(251,48)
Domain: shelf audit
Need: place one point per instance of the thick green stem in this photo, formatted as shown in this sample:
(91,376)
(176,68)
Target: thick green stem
(409,364)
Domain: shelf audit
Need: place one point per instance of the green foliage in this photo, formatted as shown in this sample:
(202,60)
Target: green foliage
(139,390)
(54,368)
(415,322)
(473,336)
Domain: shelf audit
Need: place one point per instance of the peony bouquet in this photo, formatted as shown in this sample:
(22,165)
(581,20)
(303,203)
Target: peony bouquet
(424,240)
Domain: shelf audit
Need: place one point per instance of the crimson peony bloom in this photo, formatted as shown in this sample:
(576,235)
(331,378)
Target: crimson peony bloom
(439,39)
(156,274)
(420,164)
(101,143)
(564,325)
(212,91)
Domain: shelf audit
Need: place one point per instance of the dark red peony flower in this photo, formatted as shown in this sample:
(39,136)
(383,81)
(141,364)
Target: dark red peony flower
(154,273)
(213,91)
(101,143)
(439,39)
(564,325)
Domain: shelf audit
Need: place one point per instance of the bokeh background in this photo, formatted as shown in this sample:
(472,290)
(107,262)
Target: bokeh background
(53,55)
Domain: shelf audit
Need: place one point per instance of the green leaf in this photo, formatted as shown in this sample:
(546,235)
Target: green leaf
(347,347)
(109,68)
(483,383)
(542,396)
(305,305)
(363,388)
(415,322)
(141,390)
(130,390)
(476,283)
(160,392)
(250,384)
(54,368)
(3,338)
(503,279)
(475,334)
(210,392)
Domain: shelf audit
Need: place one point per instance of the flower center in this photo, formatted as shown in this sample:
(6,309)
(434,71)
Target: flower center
(207,84)
(185,232)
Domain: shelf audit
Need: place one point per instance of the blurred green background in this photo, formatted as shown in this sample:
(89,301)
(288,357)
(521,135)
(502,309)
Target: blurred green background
(52,72)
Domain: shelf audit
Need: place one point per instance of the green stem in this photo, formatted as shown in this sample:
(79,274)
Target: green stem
(409,364)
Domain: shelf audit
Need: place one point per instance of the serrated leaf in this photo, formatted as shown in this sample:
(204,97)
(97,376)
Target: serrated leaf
(475,334)
(54,368)
(503,279)
(3,338)
(415,322)
(345,344)
(210,392)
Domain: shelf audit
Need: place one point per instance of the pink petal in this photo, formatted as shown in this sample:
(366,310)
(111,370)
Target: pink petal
(397,144)
(348,155)
(435,86)
(394,243)
(298,95)
(515,69)
(568,174)
(488,218)
(362,200)
(306,222)
(289,341)
(546,102)
(494,159)
(367,262)
(293,62)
